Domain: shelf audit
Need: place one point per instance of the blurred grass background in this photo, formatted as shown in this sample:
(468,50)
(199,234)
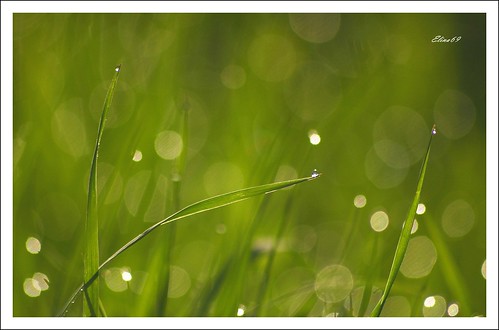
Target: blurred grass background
(256,87)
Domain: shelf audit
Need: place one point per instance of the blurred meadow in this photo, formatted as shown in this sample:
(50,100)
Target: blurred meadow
(250,99)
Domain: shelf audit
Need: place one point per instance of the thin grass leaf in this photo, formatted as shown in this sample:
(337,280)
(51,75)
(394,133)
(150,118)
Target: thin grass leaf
(366,294)
(91,250)
(168,243)
(209,292)
(198,207)
(270,260)
(405,235)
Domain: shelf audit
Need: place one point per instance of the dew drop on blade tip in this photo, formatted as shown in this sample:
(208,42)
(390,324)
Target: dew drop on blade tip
(434,130)
(117,68)
(314,173)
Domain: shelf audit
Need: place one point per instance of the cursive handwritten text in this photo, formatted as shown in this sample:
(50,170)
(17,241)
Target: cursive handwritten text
(443,39)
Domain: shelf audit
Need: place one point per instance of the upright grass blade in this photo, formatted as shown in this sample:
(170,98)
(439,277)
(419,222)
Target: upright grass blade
(169,237)
(91,250)
(198,207)
(270,260)
(405,234)
(366,294)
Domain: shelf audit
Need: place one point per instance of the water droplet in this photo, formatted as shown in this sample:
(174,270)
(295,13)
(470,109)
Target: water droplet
(434,129)
(315,173)
(126,276)
(118,68)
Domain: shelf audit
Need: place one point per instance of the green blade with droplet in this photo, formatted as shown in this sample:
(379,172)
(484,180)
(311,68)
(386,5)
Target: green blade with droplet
(198,207)
(91,250)
(405,235)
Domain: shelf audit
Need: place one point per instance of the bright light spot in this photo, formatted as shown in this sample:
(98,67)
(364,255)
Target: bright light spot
(434,306)
(240,310)
(453,310)
(429,302)
(314,173)
(379,221)
(421,209)
(483,269)
(333,283)
(126,276)
(117,68)
(31,288)
(314,137)
(42,281)
(360,201)
(420,257)
(458,218)
(414,226)
(33,245)
(168,145)
(137,156)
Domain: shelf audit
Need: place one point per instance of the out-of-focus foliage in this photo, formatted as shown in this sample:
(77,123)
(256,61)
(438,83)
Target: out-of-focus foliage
(270,97)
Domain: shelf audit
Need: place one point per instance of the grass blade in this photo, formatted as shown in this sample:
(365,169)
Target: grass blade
(198,207)
(91,251)
(405,234)
(169,238)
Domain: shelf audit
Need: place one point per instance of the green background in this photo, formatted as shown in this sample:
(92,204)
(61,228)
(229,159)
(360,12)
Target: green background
(254,86)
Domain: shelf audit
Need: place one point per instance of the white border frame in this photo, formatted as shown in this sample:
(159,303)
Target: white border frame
(488,7)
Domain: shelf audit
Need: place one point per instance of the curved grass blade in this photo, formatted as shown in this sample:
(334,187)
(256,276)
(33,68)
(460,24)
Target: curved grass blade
(91,250)
(405,234)
(198,207)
